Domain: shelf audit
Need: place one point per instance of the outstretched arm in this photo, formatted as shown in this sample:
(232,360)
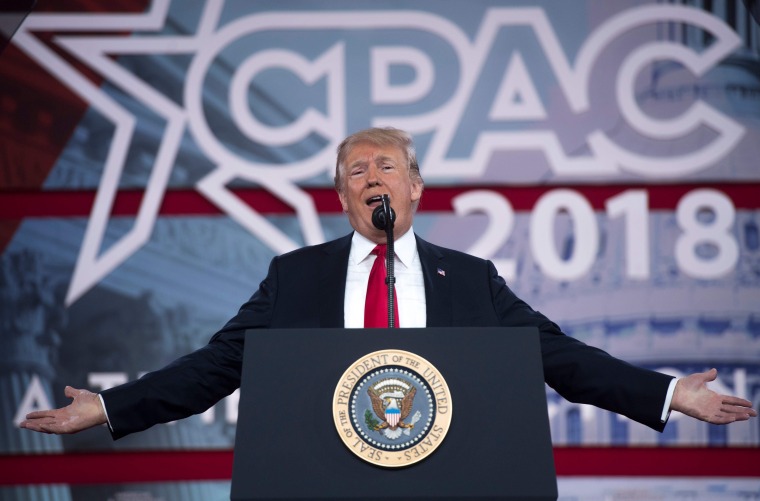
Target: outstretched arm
(693,398)
(84,412)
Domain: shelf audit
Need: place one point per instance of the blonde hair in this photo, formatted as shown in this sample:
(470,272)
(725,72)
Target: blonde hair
(379,136)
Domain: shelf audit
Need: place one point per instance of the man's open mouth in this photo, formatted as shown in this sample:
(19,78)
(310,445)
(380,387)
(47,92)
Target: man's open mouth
(374,201)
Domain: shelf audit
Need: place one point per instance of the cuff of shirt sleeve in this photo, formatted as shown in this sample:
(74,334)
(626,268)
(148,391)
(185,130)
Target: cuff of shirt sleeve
(668,399)
(103,404)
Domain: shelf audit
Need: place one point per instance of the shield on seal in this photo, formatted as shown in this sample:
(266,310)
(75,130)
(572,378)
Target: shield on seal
(392,413)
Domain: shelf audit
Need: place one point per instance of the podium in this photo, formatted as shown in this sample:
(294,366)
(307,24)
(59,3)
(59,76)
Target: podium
(497,445)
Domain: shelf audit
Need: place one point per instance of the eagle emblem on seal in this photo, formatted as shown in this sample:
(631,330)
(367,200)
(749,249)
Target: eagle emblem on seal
(392,400)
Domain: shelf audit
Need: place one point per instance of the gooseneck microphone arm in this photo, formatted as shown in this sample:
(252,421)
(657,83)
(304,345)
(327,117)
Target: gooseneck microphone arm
(383,218)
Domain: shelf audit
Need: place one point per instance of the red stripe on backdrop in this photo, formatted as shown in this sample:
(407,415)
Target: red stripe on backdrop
(657,462)
(16,205)
(115,467)
(176,466)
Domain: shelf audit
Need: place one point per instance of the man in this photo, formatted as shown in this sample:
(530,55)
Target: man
(325,286)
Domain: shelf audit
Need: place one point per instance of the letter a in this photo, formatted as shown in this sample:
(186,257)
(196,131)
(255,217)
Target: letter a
(517,98)
(34,399)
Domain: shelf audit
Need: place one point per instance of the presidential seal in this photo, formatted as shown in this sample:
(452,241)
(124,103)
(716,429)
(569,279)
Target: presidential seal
(392,408)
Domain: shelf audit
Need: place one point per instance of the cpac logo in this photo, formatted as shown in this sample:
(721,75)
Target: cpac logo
(442,101)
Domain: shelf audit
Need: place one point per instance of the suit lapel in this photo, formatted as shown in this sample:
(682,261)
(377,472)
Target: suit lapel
(334,267)
(437,284)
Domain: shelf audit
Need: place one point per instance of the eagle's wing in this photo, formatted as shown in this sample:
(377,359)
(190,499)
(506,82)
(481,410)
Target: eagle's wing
(406,403)
(377,405)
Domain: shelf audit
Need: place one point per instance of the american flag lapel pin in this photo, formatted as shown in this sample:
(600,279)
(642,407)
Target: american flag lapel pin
(441,272)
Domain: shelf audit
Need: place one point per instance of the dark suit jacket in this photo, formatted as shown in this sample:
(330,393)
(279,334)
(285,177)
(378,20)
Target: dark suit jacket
(305,288)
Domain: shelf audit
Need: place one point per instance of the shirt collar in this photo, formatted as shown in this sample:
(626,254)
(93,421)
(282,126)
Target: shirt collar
(404,247)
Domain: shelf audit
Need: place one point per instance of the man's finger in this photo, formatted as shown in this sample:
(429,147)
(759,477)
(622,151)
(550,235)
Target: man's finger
(740,402)
(739,405)
(738,411)
(47,429)
(33,425)
(71,392)
(711,375)
(41,414)
(704,377)
(730,418)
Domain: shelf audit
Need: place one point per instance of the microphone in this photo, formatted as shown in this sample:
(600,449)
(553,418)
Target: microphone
(383,218)
(380,216)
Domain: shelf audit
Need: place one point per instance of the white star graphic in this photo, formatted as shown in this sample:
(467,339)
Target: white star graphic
(92,266)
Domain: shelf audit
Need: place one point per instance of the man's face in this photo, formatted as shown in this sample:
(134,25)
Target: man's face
(370,171)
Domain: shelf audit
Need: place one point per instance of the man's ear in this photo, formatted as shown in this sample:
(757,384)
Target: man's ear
(417,187)
(343,201)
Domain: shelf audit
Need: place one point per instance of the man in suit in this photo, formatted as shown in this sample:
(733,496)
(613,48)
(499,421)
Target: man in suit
(326,285)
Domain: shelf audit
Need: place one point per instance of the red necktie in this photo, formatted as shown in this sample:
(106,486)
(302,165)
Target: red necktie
(376,305)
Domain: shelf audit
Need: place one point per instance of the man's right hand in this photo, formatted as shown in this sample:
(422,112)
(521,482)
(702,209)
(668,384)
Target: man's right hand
(84,412)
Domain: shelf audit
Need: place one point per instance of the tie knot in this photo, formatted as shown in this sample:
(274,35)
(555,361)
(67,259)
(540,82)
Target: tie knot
(380,250)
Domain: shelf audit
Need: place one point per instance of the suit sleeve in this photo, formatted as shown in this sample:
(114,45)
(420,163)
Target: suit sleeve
(581,373)
(195,382)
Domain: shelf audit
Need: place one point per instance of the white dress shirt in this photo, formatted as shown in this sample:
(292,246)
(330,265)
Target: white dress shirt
(410,285)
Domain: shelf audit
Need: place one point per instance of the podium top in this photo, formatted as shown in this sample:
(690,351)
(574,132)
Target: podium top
(497,445)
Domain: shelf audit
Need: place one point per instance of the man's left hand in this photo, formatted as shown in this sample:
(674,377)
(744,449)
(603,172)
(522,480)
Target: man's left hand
(693,398)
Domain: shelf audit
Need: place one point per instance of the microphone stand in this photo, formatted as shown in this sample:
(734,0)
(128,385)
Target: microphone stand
(390,259)
(383,218)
